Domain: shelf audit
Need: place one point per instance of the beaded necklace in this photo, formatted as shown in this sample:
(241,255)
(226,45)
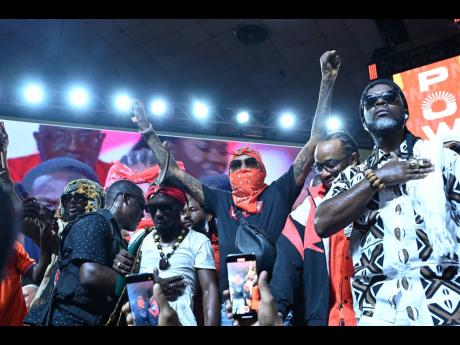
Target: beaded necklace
(164,261)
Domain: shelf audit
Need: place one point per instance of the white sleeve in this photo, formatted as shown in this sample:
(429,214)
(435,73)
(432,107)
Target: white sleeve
(204,256)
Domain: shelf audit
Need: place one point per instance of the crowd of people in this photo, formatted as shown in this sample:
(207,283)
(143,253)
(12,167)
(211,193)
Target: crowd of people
(375,242)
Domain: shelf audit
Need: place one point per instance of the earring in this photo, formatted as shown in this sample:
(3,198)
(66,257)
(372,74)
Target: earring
(406,116)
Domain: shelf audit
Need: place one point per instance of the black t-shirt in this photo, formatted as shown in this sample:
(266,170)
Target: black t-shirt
(277,201)
(90,239)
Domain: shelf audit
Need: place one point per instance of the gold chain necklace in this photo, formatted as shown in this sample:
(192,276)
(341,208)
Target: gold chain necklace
(164,261)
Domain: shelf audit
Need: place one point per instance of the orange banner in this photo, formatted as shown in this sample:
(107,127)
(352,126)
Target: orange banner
(433,95)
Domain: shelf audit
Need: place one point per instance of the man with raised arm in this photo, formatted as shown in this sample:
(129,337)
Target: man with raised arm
(264,206)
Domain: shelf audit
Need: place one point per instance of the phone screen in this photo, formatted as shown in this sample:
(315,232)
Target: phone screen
(144,306)
(242,281)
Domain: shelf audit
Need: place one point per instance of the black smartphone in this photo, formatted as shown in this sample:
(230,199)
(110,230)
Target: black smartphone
(242,282)
(144,306)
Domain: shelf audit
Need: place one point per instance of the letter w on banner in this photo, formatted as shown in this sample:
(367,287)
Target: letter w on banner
(433,95)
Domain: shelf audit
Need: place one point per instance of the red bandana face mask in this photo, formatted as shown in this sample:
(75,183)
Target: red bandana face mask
(247,184)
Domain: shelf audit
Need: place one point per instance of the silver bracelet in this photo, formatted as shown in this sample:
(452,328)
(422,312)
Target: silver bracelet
(149,129)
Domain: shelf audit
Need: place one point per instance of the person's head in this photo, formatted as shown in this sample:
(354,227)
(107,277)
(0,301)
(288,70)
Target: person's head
(140,302)
(333,153)
(195,217)
(29,292)
(47,180)
(126,202)
(246,170)
(383,108)
(165,206)
(80,196)
(78,143)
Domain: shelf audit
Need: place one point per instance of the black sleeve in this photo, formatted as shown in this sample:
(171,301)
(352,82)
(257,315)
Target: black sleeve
(287,275)
(212,197)
(91,240)
(287,187)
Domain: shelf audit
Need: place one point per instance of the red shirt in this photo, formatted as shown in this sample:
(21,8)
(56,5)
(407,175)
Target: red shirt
(341,311)
(19,166)
(12,304)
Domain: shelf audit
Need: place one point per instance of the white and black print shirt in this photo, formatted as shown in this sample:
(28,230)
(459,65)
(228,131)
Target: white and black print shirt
(396,276)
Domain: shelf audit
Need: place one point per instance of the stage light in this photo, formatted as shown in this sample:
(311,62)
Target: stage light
(200,110)
(123,102)
(287,120)
(158,107)
(78,97)
(242,117)
(333,124)
(34,93)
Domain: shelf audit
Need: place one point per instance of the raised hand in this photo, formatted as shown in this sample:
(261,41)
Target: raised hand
(3,138)
(138,115)
(396,171)
(330,63)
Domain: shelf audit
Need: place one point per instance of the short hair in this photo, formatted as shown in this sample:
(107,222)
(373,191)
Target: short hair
(122,186)
(349,143)
(388,82)
(56,165)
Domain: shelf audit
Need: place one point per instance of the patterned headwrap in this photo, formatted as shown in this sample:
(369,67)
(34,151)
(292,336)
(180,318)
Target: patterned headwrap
(118,171)
(92,190)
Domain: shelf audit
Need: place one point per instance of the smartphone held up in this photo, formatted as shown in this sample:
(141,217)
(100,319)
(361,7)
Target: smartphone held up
(243,288)
(144,306)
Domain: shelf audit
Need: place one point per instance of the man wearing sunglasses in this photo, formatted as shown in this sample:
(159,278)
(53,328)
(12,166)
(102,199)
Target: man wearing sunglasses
(306,265)
(84,286)
(183,256)
(262,205)
(404,206)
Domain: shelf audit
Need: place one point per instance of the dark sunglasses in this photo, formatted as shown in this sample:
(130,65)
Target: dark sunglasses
(330,165)
(389,96)
(77,197)
(248,162)
(138,198)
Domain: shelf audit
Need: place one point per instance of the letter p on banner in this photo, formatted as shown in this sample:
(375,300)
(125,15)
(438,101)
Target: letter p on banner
(433,94)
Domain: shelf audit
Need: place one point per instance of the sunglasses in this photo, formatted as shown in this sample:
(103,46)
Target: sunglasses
(390,96)
(138,198)
(331,165)
(78,198)
(248,162)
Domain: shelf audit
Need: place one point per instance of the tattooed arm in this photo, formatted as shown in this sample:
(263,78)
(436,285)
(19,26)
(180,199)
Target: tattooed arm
(330,63)
(177,176)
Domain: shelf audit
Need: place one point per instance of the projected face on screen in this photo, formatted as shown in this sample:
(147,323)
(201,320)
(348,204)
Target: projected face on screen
(81,144)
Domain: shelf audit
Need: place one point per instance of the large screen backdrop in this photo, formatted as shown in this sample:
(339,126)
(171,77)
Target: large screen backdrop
(433,95)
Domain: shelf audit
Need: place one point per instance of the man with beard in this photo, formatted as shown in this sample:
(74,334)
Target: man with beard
(405,214)
(178,251)
(306,265)
(265,206)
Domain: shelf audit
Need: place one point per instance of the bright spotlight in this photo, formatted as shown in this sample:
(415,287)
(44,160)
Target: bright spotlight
(34,94)
(287,120)
(200,110)
(123,102)
(242,117)
(158,107)
(333,124)
(78,97)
